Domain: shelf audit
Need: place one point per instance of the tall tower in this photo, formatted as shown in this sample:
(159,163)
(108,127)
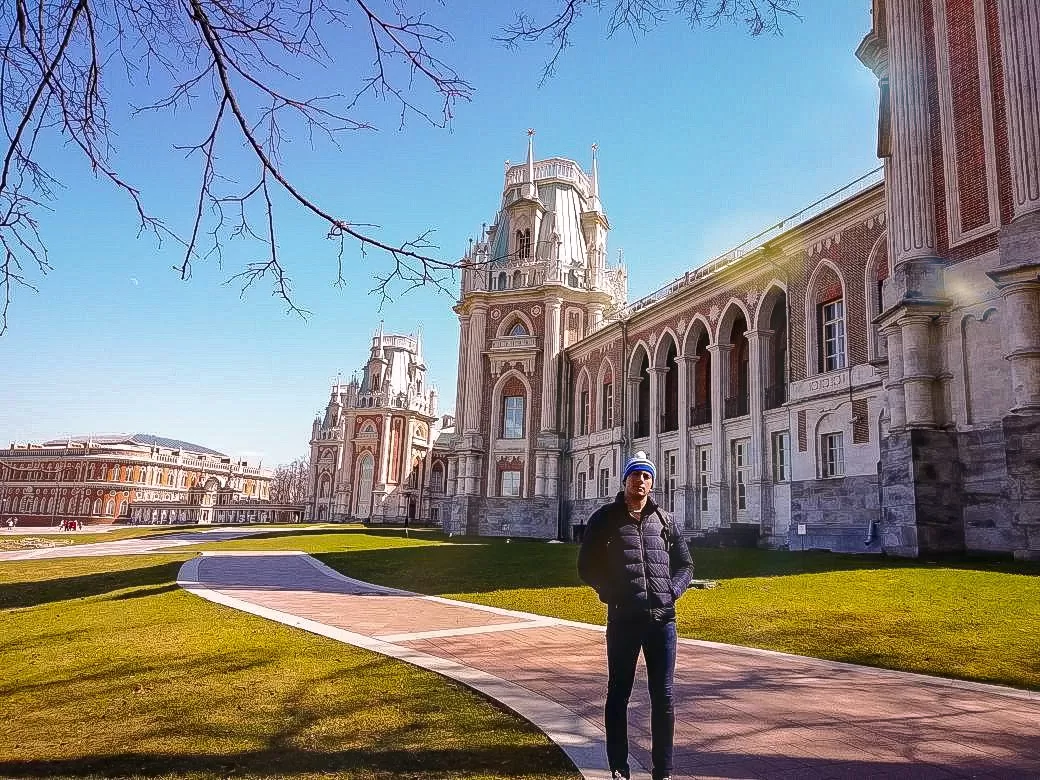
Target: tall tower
(370,451)
(534,283)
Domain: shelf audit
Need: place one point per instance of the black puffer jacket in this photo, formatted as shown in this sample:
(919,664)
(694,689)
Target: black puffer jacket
(637,568)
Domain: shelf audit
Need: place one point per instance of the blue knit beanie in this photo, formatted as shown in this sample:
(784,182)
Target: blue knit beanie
(639,462)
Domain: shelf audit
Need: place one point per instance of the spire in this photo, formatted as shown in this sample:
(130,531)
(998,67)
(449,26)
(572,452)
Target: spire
(594,203)
(530,191)
(418,345)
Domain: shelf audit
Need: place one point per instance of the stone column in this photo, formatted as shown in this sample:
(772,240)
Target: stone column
(1018,275)
(1020,54)
(460,380)
(475,368)
(758,344)
(894,386)
(657,383)
(908,176)
(1021,291)
(760,490)
(383,472)
(550,365)
(719,375)
(918,371)
(685,366)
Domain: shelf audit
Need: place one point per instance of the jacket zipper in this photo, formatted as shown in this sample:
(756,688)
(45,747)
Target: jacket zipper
(642,559)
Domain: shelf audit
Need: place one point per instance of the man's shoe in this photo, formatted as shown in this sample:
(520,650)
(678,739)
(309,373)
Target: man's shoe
(617,774)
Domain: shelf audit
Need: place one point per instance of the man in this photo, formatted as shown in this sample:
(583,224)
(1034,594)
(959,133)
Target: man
(639,565)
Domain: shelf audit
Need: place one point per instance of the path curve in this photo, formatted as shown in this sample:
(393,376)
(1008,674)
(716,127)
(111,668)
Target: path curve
(740,712)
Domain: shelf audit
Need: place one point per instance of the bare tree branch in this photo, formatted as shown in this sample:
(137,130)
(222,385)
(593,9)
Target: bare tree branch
(640,16)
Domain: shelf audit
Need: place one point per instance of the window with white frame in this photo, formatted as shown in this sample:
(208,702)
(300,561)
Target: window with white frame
(607,404)
(583,412)
(513,417)
(703,476)
(604,482)
(782,456)
(832,455)
(671,468)
(509,483)
(741,471)
(832,335)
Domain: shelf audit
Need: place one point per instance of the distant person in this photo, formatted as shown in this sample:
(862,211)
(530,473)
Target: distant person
(639,565)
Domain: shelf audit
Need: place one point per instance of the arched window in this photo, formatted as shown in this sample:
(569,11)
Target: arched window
(825,321)
(437,478)
(517,279)
(502,280)
(366,468)
(582,406)
(518,329)
(97,507)
(739,365)
(323,486)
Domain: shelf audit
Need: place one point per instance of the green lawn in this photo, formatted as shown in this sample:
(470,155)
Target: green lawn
(24,538)
(109,670)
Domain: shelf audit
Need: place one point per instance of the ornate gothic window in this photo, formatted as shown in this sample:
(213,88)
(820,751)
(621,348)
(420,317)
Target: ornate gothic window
(523,243)
(518,330)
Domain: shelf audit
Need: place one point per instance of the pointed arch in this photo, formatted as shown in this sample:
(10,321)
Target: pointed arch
(510,320)
(733,327)
(772,321)
(665,357)
(638,376)
(692,336)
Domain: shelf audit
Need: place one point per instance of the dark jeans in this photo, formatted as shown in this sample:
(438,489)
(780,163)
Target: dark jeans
(625,638)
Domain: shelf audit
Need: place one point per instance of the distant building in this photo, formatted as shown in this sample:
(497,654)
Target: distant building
(371,452)
(106,479)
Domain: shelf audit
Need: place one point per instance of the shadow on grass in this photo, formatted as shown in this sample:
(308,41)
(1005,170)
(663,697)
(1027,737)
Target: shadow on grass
(426,534)
(14,595)
(493,564)
(506,760)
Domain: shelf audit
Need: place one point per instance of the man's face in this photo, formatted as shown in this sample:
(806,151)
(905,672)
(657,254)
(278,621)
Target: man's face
(637,485)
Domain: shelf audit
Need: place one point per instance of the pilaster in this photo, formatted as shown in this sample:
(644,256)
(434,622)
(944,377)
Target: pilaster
(1020,55)
(657,383)
(685,367)
(475,368)
(719,456)
(550,363)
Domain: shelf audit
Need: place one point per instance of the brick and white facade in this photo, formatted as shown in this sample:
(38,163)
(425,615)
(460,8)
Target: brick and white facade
(866,379)
(123,478)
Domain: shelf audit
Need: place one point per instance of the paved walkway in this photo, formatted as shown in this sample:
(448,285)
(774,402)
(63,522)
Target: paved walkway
(741,713)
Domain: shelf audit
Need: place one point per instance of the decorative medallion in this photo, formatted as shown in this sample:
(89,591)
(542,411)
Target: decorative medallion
(536,310)
(495,314)
(682,325)
(751,298)
(713,313)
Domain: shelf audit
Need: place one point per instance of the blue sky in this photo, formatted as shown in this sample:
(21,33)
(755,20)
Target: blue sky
(705,137)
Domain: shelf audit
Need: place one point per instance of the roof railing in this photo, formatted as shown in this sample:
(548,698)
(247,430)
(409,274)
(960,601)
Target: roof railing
(756,242)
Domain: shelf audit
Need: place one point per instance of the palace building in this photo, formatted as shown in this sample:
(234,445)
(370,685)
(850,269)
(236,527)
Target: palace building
(123,478)
(371,451)
(865,378)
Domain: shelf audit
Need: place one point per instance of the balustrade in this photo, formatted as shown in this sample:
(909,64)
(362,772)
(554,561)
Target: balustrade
(736,406)
(700,414)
